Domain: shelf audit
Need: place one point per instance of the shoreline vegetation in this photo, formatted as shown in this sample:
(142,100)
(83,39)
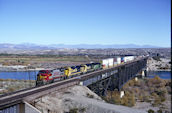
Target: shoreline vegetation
(37,62)
(31,63)
(11,85)
(155,92)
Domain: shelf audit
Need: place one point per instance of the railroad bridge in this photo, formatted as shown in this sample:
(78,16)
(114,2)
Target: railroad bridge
(99,81)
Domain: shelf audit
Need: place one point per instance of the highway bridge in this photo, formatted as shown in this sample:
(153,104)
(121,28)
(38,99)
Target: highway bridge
(98,81)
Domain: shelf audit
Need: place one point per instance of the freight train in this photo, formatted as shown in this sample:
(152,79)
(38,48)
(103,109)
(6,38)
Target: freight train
(50,76)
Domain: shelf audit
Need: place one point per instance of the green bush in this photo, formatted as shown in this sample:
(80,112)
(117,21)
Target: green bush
(76,110)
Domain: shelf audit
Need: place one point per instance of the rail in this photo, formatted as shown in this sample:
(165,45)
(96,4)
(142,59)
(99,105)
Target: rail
(15,98)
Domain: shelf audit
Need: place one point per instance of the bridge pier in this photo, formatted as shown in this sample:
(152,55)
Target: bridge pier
(28,108)
(136,78)
(122,93)
(143,73)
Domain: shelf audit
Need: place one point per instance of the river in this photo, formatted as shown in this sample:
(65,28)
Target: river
(19,75)
(31,75)
(161,74)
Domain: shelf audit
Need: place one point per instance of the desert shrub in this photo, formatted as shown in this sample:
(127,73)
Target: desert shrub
(124,101)
(168,83)
(166,111)
(128,99)
(151,89)
(168,89)
(116,97)
(126,86)
(137,83)
(11,89)
(156,102)
(131,83)
(90,96)
(108,97)
(146,98)
(157,58)
(162,98)
(73,110)
(142,85)
(81,110)
(159,111)
(156,82)
(1,80)
(141,98)
(6,63)
(131,100)
(161,91)
(154,95)
(136,90)
(151,111)
(164,68)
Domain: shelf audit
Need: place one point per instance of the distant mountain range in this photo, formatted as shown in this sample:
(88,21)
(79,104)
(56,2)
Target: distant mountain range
(30,46)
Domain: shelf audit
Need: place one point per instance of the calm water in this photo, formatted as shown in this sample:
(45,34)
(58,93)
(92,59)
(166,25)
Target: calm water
(161,74)
(31,75)
(20,75)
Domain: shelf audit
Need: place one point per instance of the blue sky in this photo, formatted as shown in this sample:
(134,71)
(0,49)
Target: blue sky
(139,22)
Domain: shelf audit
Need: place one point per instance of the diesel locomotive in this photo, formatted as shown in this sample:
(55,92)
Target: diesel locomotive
(50,76)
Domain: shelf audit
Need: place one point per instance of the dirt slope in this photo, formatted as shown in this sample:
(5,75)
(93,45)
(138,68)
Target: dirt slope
(80,99)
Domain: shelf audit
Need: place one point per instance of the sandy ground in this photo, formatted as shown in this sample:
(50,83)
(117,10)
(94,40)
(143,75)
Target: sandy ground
(80,98)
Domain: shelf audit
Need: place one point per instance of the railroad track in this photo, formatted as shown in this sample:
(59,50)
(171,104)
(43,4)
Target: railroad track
(17,97)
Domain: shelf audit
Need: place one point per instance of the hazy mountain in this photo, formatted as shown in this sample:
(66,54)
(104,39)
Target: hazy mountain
(30,46)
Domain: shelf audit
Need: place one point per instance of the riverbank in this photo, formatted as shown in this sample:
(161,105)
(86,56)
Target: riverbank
(11,85)
(160,64)
(38,62)
(14,68)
